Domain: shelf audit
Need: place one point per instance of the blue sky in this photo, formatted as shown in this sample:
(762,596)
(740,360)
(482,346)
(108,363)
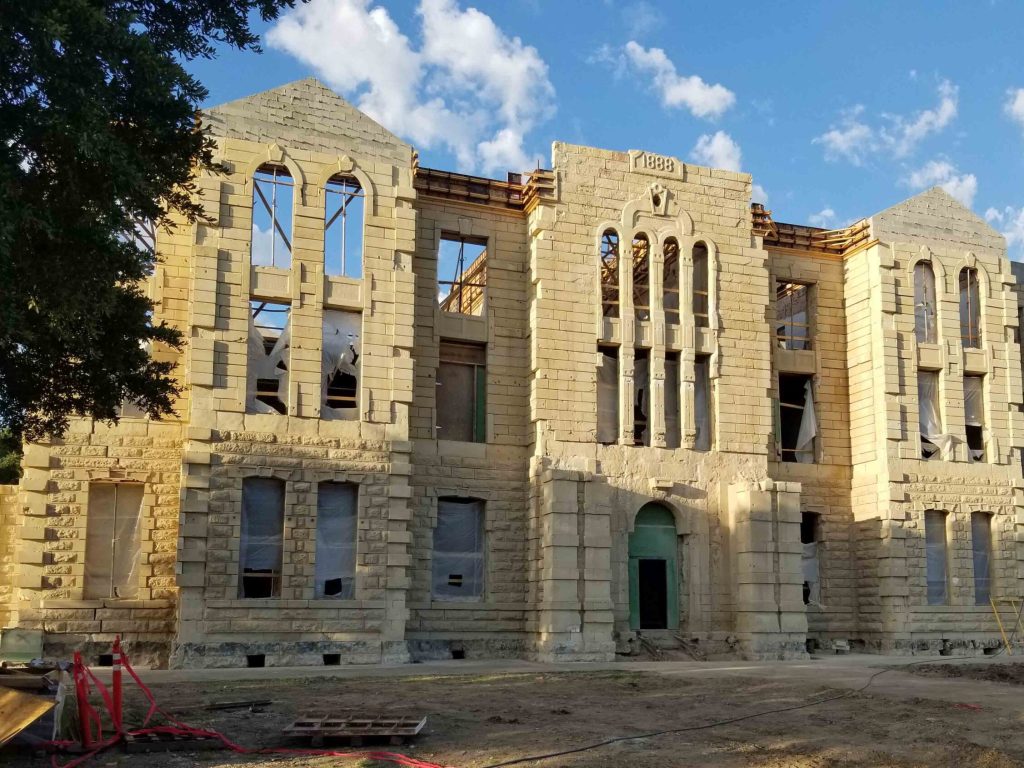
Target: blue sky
(838,109)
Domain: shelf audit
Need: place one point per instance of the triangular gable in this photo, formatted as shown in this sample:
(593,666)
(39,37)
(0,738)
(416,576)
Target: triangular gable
(935,216)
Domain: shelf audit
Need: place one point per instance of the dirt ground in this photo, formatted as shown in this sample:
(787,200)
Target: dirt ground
(996,673)
(476,721)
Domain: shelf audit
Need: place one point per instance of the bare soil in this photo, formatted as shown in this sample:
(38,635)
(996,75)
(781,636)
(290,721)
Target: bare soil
(996,673)
(476,721)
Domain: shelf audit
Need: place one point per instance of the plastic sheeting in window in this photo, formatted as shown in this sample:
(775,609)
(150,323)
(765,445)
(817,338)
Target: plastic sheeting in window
(608,399)
(925,327)
(112,540)
(457,567)
(340,356)
(336,525)
(808,429)
(262,531)
(935,556)
(928,414)
(811,572)
(981,547)
(974,412)
(269,325)
(673,415)
(702,403)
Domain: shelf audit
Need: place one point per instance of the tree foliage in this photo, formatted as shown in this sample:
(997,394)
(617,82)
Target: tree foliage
(98,131)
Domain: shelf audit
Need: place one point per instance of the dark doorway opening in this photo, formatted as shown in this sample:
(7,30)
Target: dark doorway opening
(653,594)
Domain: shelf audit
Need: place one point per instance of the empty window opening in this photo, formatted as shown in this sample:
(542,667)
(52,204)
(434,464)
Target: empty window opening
(462,275)
(934,442)
(702,406)
(336,525)
(260,549)
(798,425)
(936,562)
(642,276)
(462,392)
(671,281)
(701,281)
(105,660)
(255,660)
(269,344)
(112,541)
(345,203)
(792,315)
(458,654)
(810,527)
(641,398)
(340,357)
(143,235)
(974,417)
(608,395)
(673,413)
(272,196)
(981,546)
(610,273)
(970,308)
(925,326)
(457,567)
(332,659)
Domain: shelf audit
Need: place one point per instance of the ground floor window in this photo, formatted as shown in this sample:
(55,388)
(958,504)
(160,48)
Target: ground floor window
(261,548)
(336,519)
(112,545)
(937,563)
(458,556)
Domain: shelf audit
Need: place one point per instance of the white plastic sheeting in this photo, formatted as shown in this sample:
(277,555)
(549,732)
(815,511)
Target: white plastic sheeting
(112,540)
(928,415)
(702,403)
(673,416)
(262,532)
(811,572)
(935,555)
(808,429)
(981,546)
(974,415)
(336,524)
(925,327)
(264,365)
(608,399)
(457,567)
(641,402)
(340,353)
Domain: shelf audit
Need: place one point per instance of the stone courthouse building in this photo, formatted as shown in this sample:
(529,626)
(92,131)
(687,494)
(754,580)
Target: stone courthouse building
(428,415)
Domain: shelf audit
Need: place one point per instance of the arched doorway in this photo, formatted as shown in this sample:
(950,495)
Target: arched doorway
(653,570)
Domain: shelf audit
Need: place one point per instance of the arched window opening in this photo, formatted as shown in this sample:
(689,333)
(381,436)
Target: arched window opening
(610,273)
(272,195)
(642,276)
(671,281)
(925,327)
(700,285)
(343,227)
(970,308)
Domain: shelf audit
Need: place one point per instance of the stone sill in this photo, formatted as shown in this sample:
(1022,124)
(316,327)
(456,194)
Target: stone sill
(107,603)
(271,602)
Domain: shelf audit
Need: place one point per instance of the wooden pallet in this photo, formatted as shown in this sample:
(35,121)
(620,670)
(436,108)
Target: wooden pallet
(355,728)
(169,742)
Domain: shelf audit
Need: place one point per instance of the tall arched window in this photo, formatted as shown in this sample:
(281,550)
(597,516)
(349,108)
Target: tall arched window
(272,194)
(925,326)
(343,227)
(970,308)
(642,276)
(610,273)
(700,285)
(671,281)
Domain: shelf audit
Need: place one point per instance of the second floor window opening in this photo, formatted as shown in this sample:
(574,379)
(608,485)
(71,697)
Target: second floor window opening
(934,442)
(673,412)
(792,315)
(610,273)
(671,281)
(343,227)
(925,326)
(608,395)
(269,345)
(797,422)
(974,417)
(272,196)
(642,276)
(701,281)
(462,275)
(642,398)
(702,405)
(340,359)
(462,392)
(970,308)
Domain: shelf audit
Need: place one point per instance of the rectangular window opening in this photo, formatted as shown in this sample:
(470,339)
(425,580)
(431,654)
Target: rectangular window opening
(261,549)
(462,392)
(642,277)
(702,404)
(608,396)
(671,281)
(340,356)
(701,283)
(792,315)
(610,273)
(268,361)
(673,412)
(981,547)
(641,398)
(974,417)
(272,196)
(936,561)
(112,541)
(336,526)
(797,422)
(457,567)
(462,275)
(343,227)
(935,443)
(810,535)
(970,308)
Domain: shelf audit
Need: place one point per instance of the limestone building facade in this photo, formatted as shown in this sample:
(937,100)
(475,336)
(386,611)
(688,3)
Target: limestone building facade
(428,415)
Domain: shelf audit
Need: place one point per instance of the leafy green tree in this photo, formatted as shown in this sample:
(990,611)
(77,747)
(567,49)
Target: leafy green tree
(10,458)
(98,132)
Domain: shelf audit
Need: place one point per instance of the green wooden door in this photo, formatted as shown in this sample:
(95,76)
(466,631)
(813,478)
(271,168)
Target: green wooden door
(653,539)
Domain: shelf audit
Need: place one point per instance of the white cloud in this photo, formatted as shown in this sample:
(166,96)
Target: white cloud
(468,87)
(675,90)
(758,194)
(262,246)
(962,186)
(823,218)
(640,18)
(1010,222)
(718,150)
(854,138)
(1015,105)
